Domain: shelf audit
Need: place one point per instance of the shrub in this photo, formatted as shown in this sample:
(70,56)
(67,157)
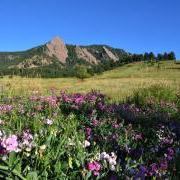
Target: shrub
(81,72)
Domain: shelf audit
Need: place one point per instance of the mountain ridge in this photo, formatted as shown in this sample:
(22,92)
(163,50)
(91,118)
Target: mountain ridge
(56,49)
(57,59)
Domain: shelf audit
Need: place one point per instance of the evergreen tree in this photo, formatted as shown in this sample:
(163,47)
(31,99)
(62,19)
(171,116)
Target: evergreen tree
(165,56)
(146,56)
(160,57)
(171,56)
(151,56)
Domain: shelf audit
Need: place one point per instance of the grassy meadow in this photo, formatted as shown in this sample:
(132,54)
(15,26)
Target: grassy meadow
(117,84)
(85,134)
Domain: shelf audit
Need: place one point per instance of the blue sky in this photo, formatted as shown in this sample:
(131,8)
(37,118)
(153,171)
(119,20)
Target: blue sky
(134,25)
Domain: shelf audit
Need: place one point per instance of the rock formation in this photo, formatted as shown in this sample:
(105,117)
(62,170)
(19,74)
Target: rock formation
(57,48)
(83,53)
(110,54)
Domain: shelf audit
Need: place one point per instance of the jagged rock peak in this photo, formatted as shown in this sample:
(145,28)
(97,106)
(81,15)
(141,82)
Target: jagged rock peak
(56,47)
(83,53)
(110,54)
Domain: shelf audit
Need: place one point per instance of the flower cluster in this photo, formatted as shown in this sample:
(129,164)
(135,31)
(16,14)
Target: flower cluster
(5,108)
(111,159)
(14,143)
(95,167)
(52,101)
(10,143)
(81,136)
(26,141)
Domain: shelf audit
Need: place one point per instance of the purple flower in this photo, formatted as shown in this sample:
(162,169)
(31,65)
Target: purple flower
(141,174)
(4,108)
(153,169)
(27,135)
(10,143)
(163,165)
(170,151)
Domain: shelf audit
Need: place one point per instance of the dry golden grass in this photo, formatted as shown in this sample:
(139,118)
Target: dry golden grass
(118,83)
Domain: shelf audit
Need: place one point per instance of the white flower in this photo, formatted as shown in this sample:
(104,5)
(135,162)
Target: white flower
(28,149)
(28,154)
(1,122)
(71,142)
(113,155)
(48,121)
(1,133)
(43,147)
(4,157)
(97,157)
(112,161)
(86,143)
(112,168)
(104,156)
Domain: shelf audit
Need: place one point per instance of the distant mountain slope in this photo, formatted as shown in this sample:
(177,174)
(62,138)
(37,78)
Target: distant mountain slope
(57,50)
(57,59)
(56,56)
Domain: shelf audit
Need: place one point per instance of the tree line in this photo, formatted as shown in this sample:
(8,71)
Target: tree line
(152,57)
(80,68)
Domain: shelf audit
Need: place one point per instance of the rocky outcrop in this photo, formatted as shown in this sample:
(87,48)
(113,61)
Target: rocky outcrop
(110,54)
(83,53)
(57,48)
(57,53)
(34,61)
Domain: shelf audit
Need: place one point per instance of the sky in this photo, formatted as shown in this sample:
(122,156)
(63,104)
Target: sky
(137,26)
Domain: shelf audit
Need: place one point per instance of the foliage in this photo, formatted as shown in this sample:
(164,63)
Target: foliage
(34,66)
(81,72)
(83,136)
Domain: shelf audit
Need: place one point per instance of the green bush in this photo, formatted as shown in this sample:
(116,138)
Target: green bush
(81,72)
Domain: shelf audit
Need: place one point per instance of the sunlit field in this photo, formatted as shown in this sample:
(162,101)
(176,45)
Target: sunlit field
(122,124)
(117,84)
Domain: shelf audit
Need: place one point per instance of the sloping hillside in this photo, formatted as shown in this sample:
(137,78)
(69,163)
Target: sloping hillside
(118,83)
(55,58)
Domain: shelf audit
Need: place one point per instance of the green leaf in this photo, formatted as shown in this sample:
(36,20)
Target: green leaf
(32,176)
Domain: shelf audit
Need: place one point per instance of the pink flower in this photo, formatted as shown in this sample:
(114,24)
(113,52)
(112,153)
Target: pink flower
(95,122)
(115,125)
(91,166)
(26,140)
(95,167)
(27,135)
(88,132)
(10,143)
(79,100)
(138,136)
(96,173)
